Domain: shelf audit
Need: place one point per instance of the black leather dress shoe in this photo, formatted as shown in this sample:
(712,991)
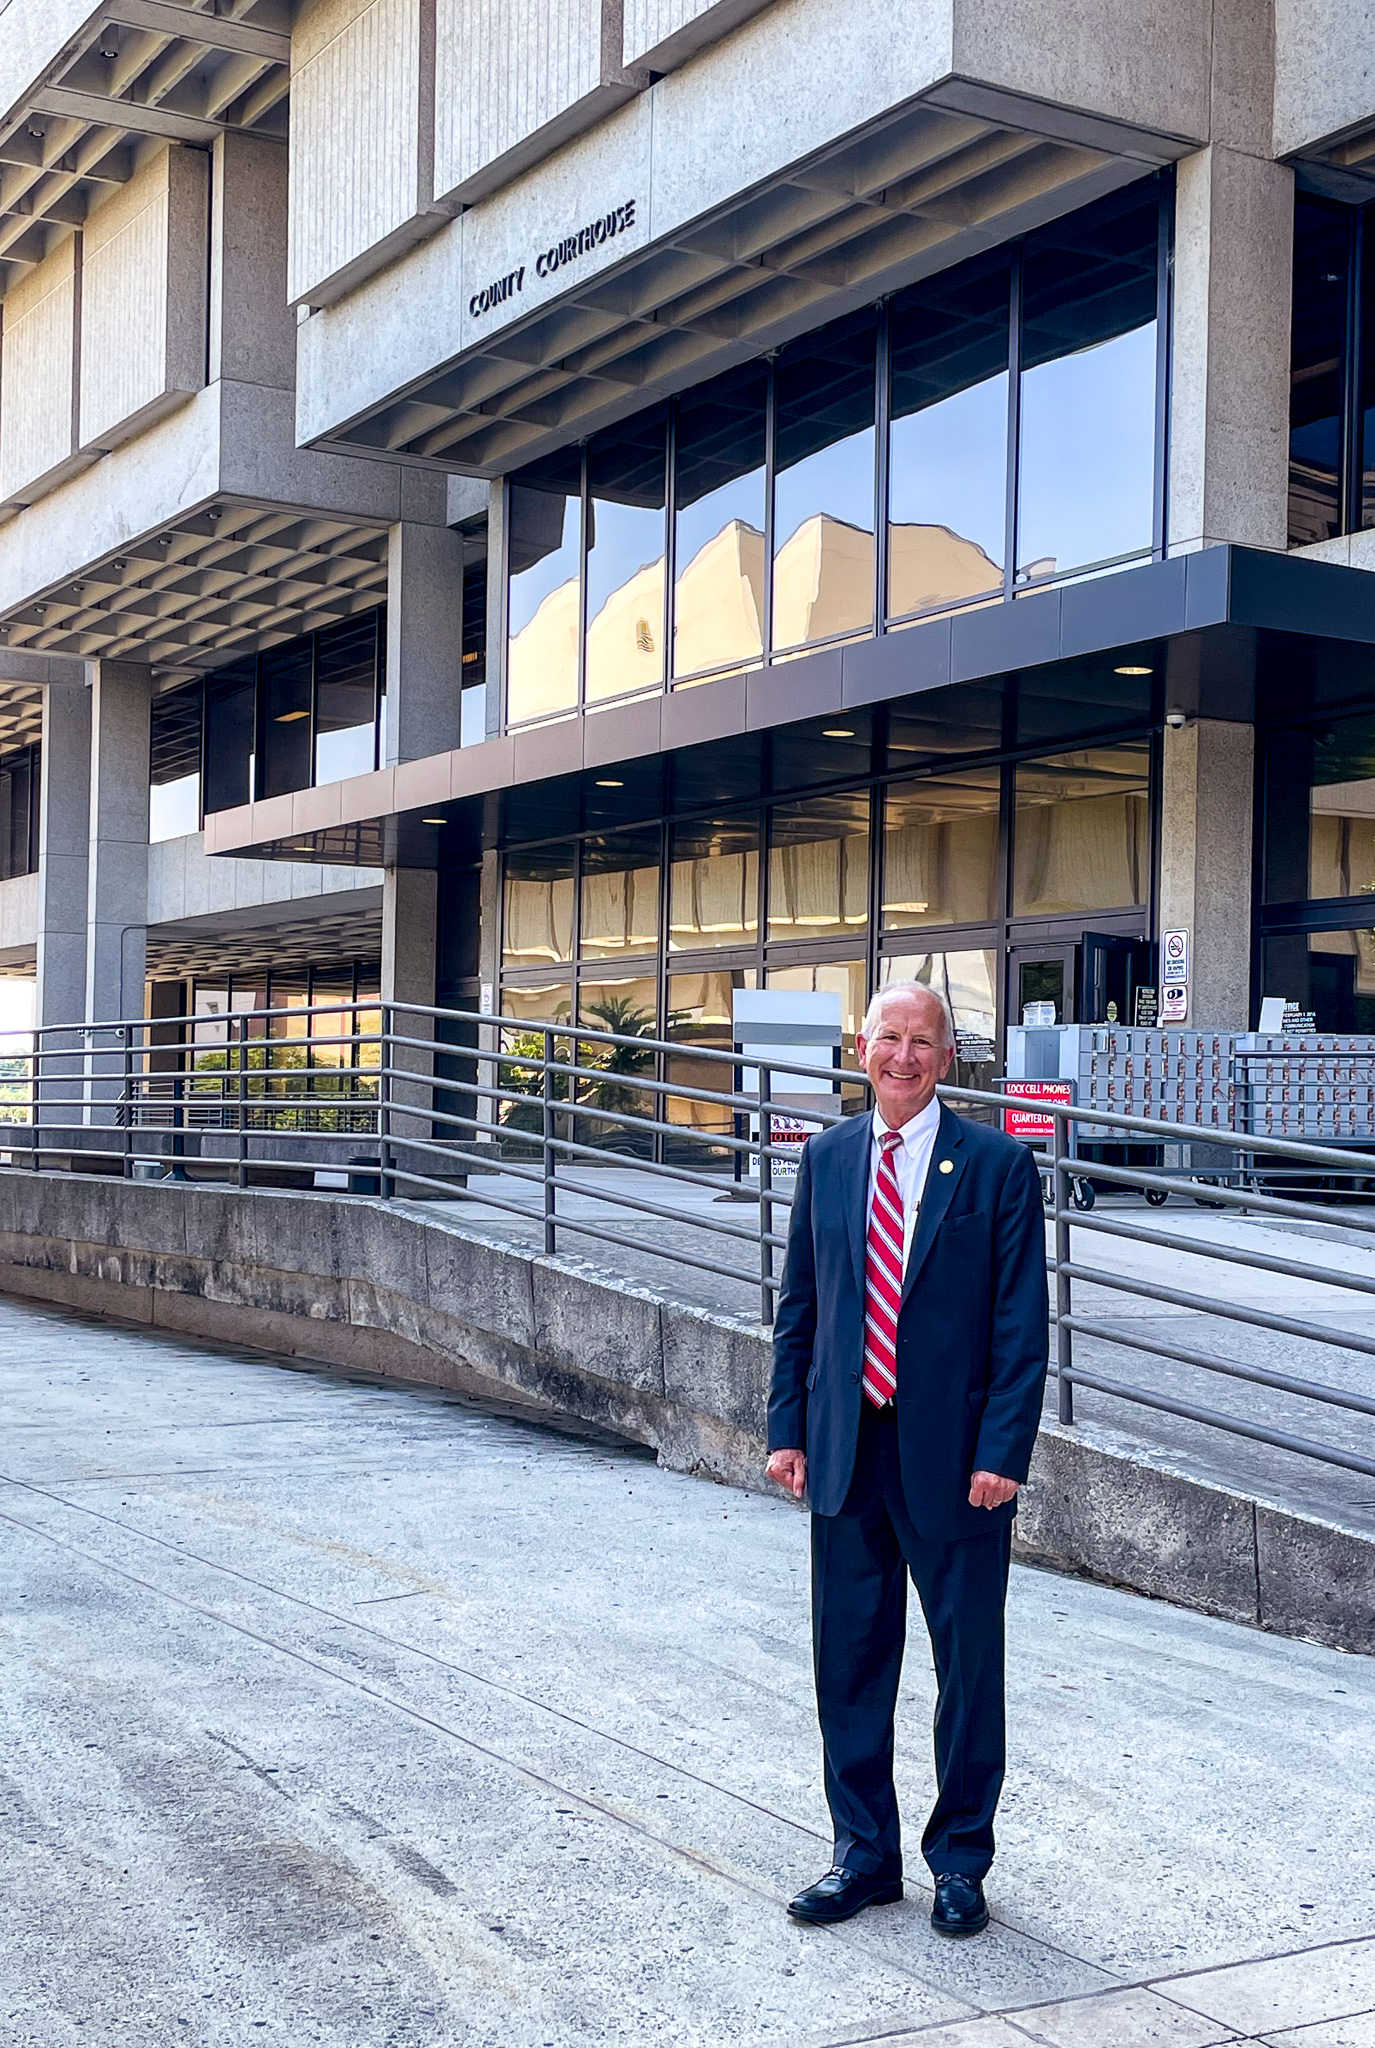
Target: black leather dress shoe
(840,1894)
(960,1906)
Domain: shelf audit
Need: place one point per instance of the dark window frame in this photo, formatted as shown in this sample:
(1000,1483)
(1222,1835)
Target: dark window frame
(1354,397)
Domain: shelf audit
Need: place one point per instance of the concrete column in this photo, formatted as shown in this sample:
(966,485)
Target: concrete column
(252,329)
(117,877)
(424,640)
(496,608)
(63,818)
(410,904)
(1207,814)
(1229,425)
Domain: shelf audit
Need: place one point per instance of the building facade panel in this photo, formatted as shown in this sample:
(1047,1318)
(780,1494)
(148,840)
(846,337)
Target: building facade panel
(143,297)
(514,79)
(1324,70)
(660,34)
(361,140)
(39,355)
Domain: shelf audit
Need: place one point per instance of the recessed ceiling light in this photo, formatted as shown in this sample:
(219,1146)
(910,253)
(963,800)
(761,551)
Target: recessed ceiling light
(1131,668)
(836,732)
(290,717)
(434,821)
(609,782)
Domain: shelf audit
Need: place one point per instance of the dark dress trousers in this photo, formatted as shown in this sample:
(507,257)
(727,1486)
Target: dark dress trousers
(889,1488)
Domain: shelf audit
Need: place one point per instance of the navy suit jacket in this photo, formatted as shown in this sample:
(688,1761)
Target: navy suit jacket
(973,1329)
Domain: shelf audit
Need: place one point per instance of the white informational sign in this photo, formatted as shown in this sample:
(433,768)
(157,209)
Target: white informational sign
(1174,958)
(1272,1009)
(784,1024)
(1174,1002)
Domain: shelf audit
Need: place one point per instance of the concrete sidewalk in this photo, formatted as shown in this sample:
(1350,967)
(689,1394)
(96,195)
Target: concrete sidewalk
(346,1713)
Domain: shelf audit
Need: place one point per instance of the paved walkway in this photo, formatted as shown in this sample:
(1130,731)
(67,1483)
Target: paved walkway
(350,1714)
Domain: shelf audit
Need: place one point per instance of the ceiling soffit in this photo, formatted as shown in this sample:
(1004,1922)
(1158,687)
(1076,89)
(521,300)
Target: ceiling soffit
(229,579)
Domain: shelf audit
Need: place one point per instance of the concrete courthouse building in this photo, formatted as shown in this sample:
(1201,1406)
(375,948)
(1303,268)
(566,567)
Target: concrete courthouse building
(584,506)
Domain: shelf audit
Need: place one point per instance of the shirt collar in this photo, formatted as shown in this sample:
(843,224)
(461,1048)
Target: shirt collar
(917,1127)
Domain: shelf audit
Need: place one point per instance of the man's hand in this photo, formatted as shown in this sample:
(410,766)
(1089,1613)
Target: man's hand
(789,1468)
(986,1489)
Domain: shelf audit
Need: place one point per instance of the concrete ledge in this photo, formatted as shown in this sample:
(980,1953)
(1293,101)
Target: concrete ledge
(404,1294)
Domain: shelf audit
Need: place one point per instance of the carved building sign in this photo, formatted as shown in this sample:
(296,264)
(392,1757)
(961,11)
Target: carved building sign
(618,221)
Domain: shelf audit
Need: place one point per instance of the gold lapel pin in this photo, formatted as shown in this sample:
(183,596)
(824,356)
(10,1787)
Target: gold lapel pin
(947,1166)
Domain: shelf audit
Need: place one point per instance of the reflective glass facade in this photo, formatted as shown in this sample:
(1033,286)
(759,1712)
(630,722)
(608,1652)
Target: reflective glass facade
(920,842)
(1318,863)
(995,428)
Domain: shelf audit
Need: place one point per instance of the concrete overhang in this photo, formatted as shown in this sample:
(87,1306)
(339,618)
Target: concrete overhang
(689,231)
(313,930)
(83,89)
(210,535)
(1324,118)
(1196,621)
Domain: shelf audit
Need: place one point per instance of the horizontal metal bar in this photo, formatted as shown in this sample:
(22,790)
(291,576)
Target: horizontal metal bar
(1257,1262)
(1206,1361)
(1138,1178)
(1278,1439)
(1229,1311)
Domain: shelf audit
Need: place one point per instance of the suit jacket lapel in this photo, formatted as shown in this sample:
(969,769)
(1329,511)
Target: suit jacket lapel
(940,1186)
(854,1190)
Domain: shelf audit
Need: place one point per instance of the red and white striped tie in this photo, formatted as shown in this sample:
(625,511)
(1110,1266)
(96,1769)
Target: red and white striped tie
(883,1278)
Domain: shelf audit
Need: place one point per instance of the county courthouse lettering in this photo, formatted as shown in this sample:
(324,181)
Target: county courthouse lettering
(567,250)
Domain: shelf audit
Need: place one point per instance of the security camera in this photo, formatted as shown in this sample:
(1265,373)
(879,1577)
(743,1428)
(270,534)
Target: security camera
(1176,720)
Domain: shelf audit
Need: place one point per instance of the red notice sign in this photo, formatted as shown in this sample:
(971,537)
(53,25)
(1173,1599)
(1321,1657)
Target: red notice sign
(1029,1123)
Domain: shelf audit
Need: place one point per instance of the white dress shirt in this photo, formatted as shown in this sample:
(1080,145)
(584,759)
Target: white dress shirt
(912,1163)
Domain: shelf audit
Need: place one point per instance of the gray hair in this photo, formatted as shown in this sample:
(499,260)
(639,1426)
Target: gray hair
(907,988)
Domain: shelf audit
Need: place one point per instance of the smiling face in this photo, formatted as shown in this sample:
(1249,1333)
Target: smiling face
(906,1055)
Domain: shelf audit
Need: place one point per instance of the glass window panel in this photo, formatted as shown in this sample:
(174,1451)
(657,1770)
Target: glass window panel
(229,736)
(475,621)
(968,981)
(627,1005)
(719,523)
(1056,703)
(546,1002)
(967,719)
(1082,831)
(538,923)
(1086,471)
(947,468)
(1330,973)
(174,808)
(713,884)
(544,589)
(940,850)
(1367,391)
(346,699)
(1317,370)
(17,783)
(626,536)
(700,1013)
(620,895)
(819,868)
(1341,819)
(284,683)
(823,576)
(847,979)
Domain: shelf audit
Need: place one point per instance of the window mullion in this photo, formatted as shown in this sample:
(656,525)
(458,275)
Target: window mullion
(1014,409)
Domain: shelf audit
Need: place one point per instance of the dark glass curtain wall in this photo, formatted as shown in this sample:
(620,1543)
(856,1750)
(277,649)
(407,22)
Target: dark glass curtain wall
(995,428)
(310,711)
(1332,372)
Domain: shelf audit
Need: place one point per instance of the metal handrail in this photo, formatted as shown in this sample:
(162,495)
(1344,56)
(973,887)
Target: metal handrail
(439,1115)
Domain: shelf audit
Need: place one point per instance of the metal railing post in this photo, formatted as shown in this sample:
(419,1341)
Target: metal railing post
(1064,1337)
(241,1034)
(550,1205)
(765,1200)
(127,1031)
(385,1172)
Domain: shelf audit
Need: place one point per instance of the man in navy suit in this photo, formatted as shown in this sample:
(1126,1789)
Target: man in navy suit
(910,1353)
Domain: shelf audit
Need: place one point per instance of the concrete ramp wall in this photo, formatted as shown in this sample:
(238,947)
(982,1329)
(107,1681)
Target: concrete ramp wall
(403,1293)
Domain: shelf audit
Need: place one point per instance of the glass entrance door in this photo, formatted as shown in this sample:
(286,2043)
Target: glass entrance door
(1041,974)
